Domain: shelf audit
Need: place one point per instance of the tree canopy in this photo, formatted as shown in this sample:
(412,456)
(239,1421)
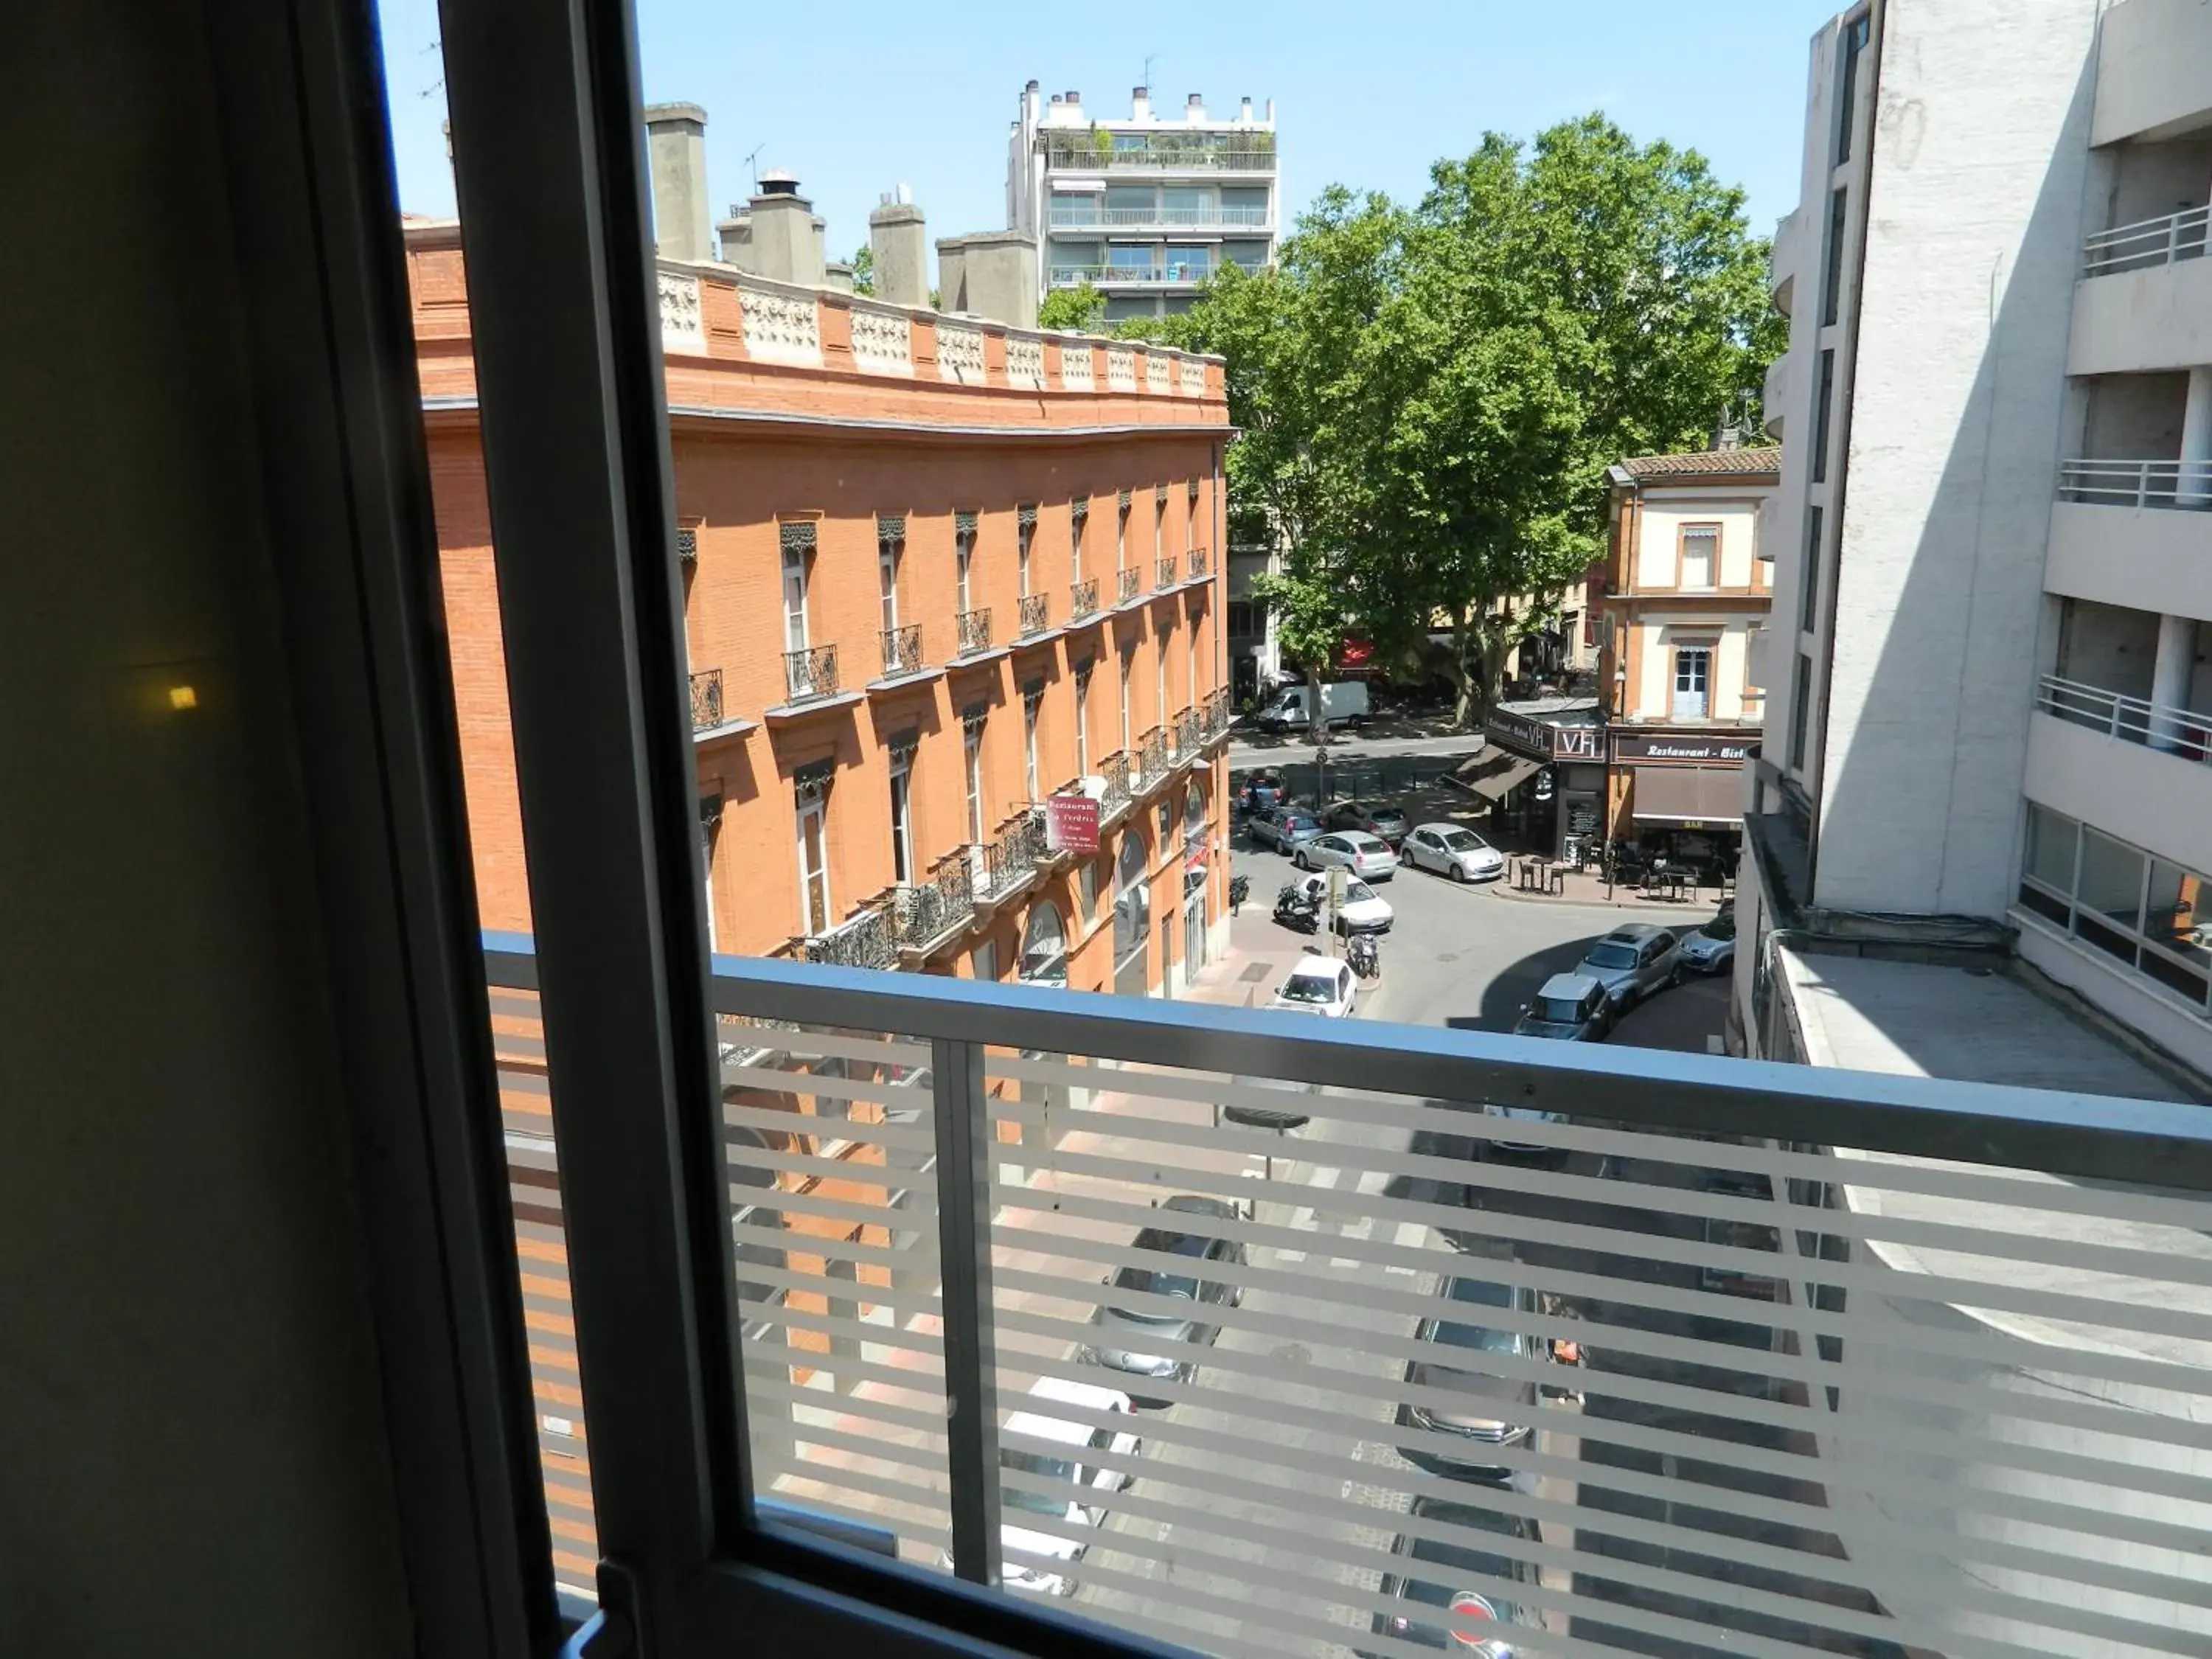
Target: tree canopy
(864,269)
(1078,310)
(1429,395)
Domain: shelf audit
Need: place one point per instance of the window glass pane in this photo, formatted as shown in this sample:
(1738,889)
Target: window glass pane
(1809,592)
(2050,841)
(2111,879)
(2173,913)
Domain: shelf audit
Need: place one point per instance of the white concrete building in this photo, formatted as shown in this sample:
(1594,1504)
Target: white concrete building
(1988,698)
(1145,208)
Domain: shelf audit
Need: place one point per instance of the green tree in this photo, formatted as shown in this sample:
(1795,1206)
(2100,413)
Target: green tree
(1078,310)
(864,270)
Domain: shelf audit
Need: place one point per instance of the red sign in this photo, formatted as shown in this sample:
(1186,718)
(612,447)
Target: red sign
(1467,1605)
(1071,823)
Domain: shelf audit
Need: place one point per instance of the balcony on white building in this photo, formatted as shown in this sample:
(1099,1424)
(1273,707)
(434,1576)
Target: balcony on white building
(2154,70)
(2133,768)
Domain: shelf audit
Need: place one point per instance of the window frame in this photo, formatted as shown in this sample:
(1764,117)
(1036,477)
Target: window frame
(1703,529)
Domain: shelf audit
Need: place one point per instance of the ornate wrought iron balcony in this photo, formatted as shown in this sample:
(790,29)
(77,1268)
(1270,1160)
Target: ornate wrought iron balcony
(1129,584)
(1200,562)
(1213,715)
(1082,599)
(1152,749)
(864,940)
(926,913)
(1011,858)
(975,630)
(1165,574)
(1189,734)
(902,650)
(810,673)
(1036,612)
(707,699)
(1114,768)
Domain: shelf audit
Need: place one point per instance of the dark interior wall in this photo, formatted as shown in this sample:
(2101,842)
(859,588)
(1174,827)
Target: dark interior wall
(193,1446)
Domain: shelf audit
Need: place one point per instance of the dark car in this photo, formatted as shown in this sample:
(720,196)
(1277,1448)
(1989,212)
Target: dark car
(1437,1579)
(1377,818)
(1269,1117)
(1128,1340)
(1282,828)
(1492,1412)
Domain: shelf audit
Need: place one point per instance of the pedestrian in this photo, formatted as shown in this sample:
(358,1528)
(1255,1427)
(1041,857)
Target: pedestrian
(1566,1350)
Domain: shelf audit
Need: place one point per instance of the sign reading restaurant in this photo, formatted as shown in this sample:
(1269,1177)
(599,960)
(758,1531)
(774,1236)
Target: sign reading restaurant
(1685,749)
(1544,740)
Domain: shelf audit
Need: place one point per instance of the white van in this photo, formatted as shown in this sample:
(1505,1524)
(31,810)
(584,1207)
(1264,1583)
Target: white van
(1343,702)
(1028,1557)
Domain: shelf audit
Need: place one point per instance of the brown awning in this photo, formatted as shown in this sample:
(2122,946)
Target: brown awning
(1493,777)
(1689,794)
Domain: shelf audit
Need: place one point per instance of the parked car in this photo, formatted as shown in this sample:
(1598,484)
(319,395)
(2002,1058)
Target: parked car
(1711,948)
(1452,850)
(1261,792)
(1282,1120)
(1128,1337)
(1724,1232)
(1436,1579)
(1343,702)
(1284,829)
(1493,1412)
(1040,1567)
(1363,909)
(1633,961)
(1318,985)
(1378,818)
(1569,1008)
(1355,849)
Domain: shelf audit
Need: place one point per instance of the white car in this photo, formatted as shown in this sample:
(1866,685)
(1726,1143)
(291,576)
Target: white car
(1318,985)
(1029,1559)
(1355,849)
(1363,909)
(1452,850)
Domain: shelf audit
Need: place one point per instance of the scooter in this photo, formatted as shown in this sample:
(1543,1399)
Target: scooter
(1362,956)
(1295,908)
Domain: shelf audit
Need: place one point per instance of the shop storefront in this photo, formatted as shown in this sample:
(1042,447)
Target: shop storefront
(1680,793)
(1543,771)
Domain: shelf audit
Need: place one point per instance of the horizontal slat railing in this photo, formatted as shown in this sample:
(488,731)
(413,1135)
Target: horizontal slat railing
(2134,720)
(2146,243)
(2138,484)
(1872,1364)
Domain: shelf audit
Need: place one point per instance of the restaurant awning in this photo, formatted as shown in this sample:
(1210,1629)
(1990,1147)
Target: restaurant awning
(1689,794)
(1494,777)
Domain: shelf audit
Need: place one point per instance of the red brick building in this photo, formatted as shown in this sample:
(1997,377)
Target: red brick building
(935,570)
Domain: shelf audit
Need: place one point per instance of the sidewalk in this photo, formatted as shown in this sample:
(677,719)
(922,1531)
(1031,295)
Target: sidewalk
(1588,887)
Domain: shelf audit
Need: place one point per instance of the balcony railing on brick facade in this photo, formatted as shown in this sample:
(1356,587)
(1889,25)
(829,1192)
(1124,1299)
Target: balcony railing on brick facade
(925,913)
(1213,715)
(902,650)
(1128,584)
(1114,768)
(1199,561)
(1189,735)
(1012,857)
(810,673)
(707,700)
(864,940)
(1165,574)
(975,630)
(1152,756)
(1036,612)
(1082,599)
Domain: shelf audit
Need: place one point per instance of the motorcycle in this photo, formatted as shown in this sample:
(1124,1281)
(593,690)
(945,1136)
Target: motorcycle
(1296,908)
(1362,956)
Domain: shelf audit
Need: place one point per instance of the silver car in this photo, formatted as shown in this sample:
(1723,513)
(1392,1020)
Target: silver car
(1366,856)
(1453,850)
(1490,1411)
(1129,1339)
(1633,961)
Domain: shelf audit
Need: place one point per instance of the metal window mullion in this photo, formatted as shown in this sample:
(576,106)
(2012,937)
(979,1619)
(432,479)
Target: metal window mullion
(963,1231)
(565,336)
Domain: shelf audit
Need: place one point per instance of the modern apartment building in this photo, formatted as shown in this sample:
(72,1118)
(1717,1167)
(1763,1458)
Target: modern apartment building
(1688,598)
(1144,208)
(1990,704)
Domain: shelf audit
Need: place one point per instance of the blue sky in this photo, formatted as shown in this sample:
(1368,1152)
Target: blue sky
(861,96)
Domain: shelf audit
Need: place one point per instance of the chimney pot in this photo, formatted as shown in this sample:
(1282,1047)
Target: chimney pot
(675,162)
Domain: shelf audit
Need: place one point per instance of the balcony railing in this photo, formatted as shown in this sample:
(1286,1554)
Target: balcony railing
(1152,757)
(810,673)
(1933,1381)
(1166,573)
(2147,243)
(1189,735)
(866,938)
(1169,270)
(901,651)
(1213,715)
(973,630)
(707,700)
(1187,157)
(1199,561)
(1079,218)
(1114,768)
(1036,613)
(2185,485)
(1128,584)
(1011,858)
(2132,720)
(1082,599)
(926,913)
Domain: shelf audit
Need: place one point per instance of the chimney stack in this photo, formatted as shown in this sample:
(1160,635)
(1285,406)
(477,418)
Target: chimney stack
(901,245)
(1142,99)
(675,153)
(991,273)
(784,242)
(1244,113)
(1195,111)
